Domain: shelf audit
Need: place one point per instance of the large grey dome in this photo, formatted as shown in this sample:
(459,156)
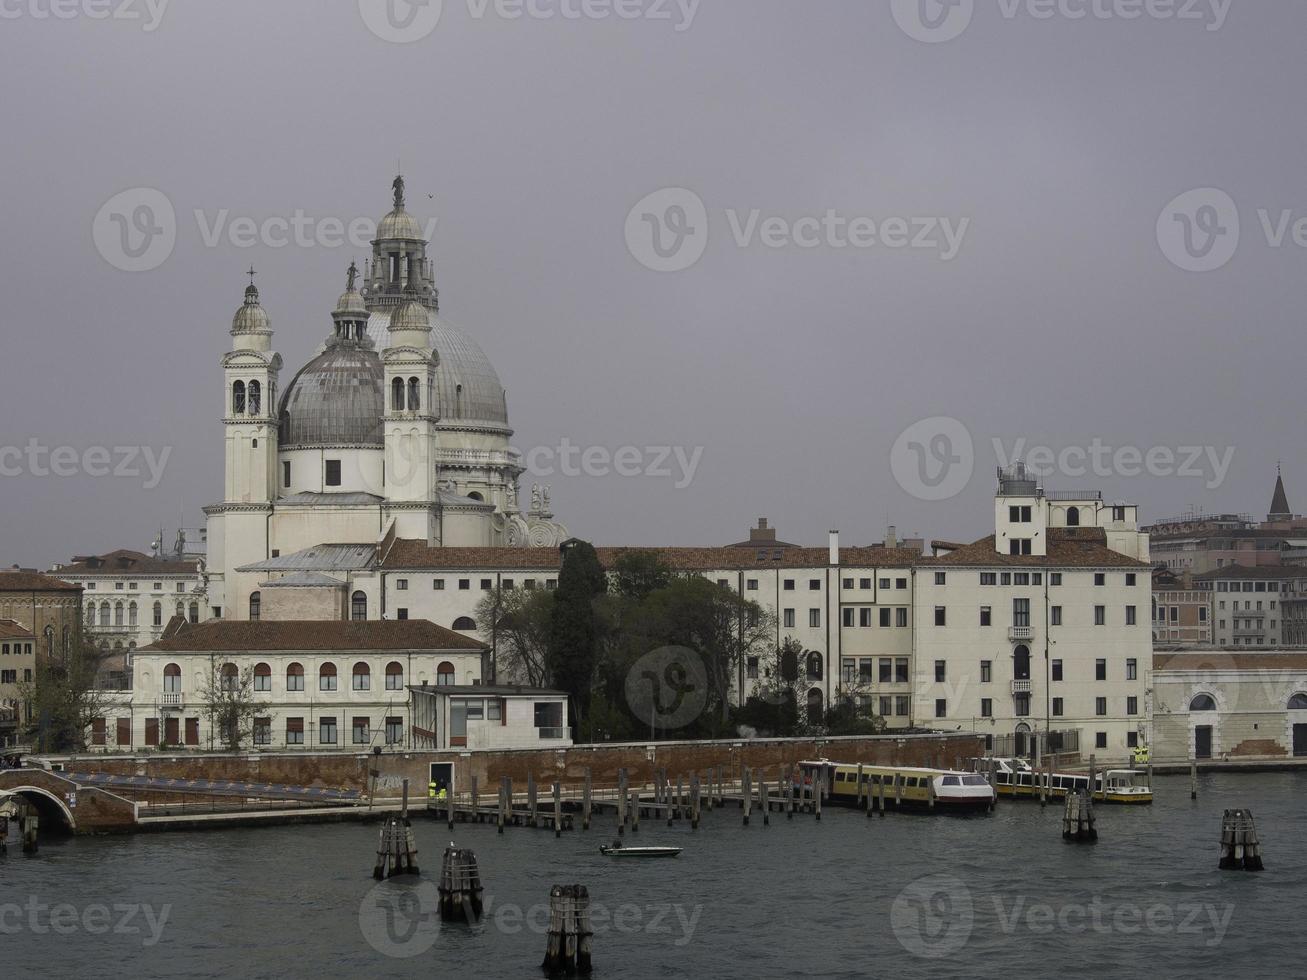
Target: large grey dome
(467,387)
(335,400)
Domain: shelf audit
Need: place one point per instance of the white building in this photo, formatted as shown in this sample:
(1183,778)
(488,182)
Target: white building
(399,421)
(320,685)
(483,717)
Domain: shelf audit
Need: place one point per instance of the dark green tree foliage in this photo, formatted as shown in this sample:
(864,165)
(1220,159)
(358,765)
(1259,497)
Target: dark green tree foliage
(574,627)
(636,574)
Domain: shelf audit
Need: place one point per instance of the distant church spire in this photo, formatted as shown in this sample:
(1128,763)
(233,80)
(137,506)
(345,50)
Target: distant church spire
(1279,500)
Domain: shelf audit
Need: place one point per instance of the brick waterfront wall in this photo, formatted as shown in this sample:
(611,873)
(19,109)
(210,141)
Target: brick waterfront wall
(348,771)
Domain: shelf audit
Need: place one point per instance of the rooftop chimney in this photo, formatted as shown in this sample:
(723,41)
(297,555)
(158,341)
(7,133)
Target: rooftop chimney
(891,537)
(762,534)
(835,548)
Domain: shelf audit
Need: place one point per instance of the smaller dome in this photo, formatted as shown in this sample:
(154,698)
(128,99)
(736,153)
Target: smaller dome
(400,224)
(251,317)
(351,301)
(410,316)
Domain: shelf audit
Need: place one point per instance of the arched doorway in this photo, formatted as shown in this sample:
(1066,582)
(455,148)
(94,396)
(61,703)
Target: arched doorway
(815,704)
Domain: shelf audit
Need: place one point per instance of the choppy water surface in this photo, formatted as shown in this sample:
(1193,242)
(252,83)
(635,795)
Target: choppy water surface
(904,896)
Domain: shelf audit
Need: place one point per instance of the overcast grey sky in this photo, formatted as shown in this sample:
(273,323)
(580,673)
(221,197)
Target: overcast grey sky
(1054,144)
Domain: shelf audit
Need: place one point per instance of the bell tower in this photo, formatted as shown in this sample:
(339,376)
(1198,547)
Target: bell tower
(250,372)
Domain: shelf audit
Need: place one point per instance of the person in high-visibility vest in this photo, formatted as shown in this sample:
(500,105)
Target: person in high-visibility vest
(443,794)
(432,790)
(1141,755)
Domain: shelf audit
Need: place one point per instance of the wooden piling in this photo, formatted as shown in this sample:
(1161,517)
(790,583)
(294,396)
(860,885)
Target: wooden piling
(635,811)
(746,796)
(766,802)
(475,799)
(1078,818)
(1193,778)
(586,801)
(501,817)
(860,796)
(898,792)
(1240,846)
(532,801)
(558,809)
(397,848)
(694,802)
(460,887)
(820,791)
(1093,776)
(621,808)
(930,793)
(568,950)
(680,797)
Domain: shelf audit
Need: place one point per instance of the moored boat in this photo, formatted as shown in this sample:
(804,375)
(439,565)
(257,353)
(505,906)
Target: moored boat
(616,849)
(903,786)
(1016,778)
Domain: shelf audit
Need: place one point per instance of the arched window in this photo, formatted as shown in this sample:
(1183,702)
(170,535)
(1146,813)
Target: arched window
(256,605)
(172,679)
(181,609)
(231,678)
(394,676)
(263,677)
(90,614)
(158,614)
(414,398)
(1298,702)
(1021,663)
(358,607)
(397,394)
(238,398)
(814,665)
(49,641)
(1073,517)
(118,614)
(815,704)
(195,612)
(445,675)
(465,624)
(104,614)
(131,614)
(476,496)
(362,677)
(1202,702)
(255,399)
(295,677)
(327,677)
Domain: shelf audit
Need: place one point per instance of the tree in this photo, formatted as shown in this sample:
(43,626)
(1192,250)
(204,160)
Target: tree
(65,694)
(573,628)
(636,574)
(517,623)
(721,626)
(229,704)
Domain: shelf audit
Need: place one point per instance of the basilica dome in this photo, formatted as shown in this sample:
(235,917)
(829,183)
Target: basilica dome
(400,224)
(468,390)
(335,400)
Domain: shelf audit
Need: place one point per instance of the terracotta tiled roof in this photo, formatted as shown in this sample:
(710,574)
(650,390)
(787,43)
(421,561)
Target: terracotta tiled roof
(1252,572)
(124,562)
(10,630)
(416,555)
(1084,547)
(411,634)
(1210,660)
(33,582)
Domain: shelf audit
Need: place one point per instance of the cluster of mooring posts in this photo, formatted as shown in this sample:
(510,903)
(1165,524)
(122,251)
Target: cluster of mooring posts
(1078,819)
(460,886)
(17,814)
(397,850)
(1240,847)
(568,949)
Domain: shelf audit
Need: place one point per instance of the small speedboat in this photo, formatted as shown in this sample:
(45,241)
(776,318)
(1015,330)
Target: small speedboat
(616,849)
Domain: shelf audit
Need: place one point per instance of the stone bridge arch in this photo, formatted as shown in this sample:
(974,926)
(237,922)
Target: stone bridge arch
(54,812)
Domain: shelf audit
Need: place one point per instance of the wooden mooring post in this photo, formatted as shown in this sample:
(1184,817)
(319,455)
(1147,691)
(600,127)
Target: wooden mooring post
(1193,778)
(1078,818)
(532,801)
(621,804)
(460,886)
(694,801)
(396,850)
(586,801)
(766,801)
(29,825)
(746,795)
(501,817)
(1240,846)
(898,792)
(819,790)
(568,949)
(476,799)
(635,811)
(1093,777)
(861,796)
(558,809)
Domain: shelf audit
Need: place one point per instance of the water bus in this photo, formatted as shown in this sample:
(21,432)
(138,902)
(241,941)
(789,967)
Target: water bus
(952,790)
(1016,778)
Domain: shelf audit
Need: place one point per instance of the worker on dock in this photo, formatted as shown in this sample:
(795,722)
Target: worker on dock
(1141,755)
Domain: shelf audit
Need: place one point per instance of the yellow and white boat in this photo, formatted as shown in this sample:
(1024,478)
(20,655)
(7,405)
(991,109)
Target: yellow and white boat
(1016,778)
(911,785)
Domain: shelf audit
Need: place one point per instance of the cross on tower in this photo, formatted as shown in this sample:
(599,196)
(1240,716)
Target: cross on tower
(251,275)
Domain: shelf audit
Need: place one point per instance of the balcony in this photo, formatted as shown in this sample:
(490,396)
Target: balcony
(170,699)
(551,734)
(1021,687)
(1019,634)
